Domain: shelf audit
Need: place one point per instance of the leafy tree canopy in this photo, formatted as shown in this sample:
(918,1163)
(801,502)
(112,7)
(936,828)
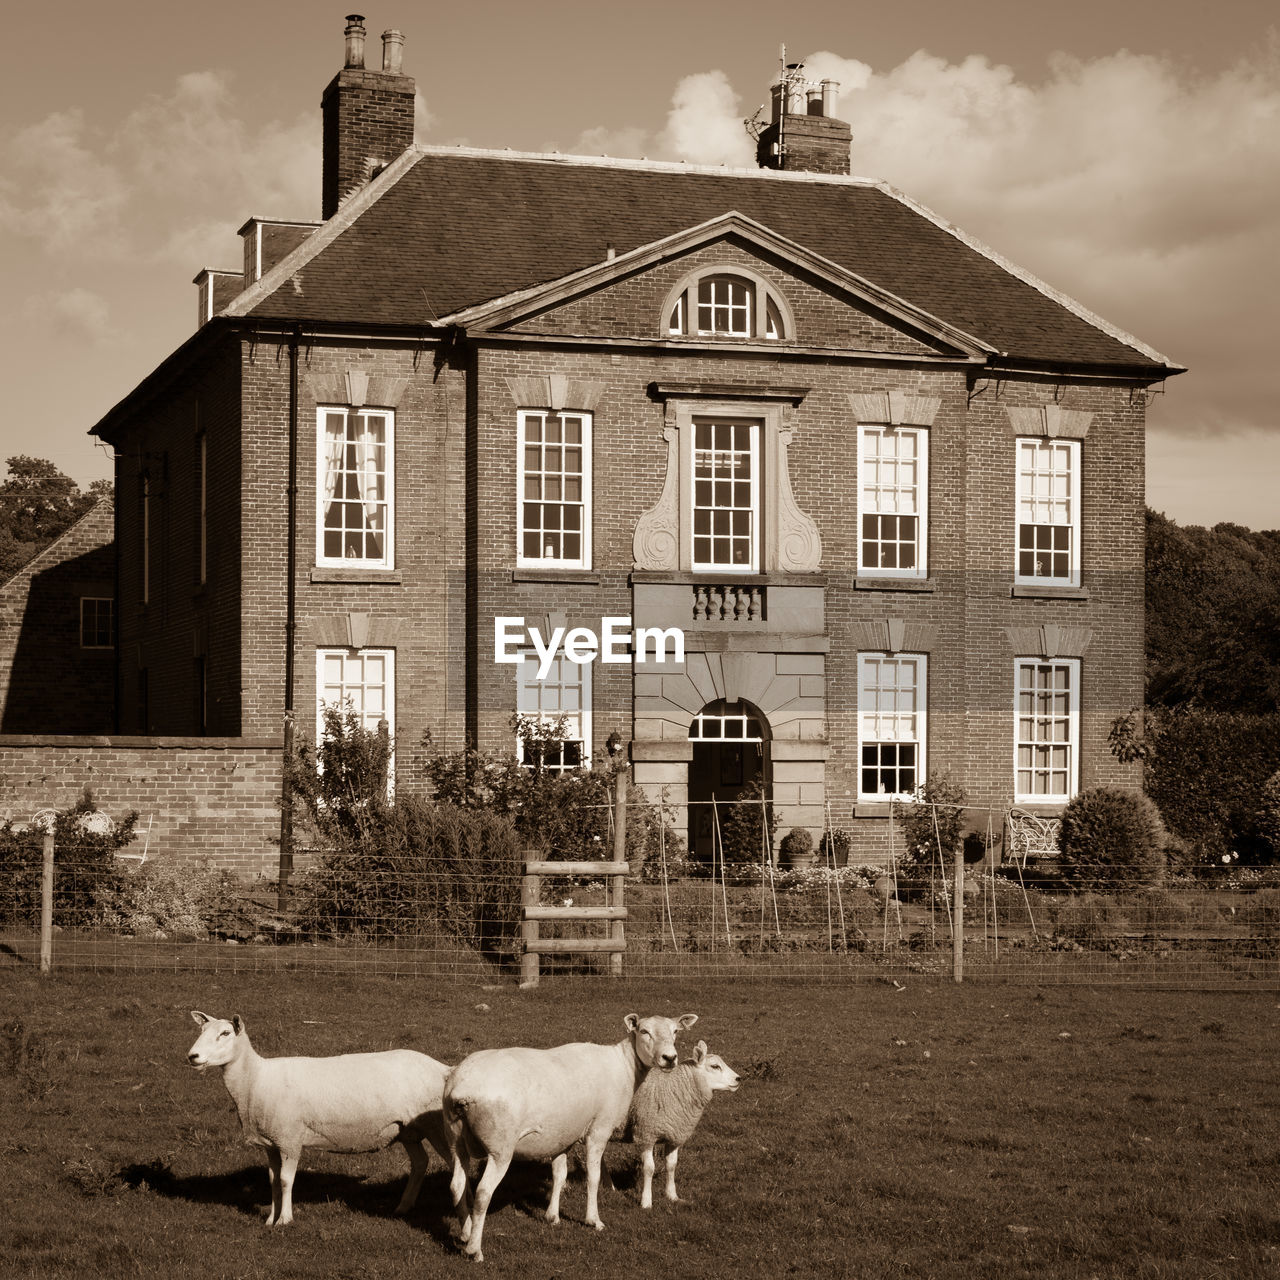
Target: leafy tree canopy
(38,504)
(1213,617)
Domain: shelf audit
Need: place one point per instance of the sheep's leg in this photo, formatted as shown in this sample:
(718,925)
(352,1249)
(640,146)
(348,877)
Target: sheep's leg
(273,1176)
(418,1162)
(460,1189)
(595,1151)
(646,1169)
(672,1156)
(559,1172)
(495,1169)
(288,1167)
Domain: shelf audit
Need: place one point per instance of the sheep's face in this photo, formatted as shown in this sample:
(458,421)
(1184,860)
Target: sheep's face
(654,1038)
(715,1070)
(215,1046)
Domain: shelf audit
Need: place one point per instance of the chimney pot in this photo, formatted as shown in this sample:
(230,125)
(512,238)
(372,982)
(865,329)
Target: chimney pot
(830,92)
(392,51)
(814,103)
(355,39)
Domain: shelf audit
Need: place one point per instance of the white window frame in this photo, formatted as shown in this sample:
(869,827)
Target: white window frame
(387,559)
(109,601)
(1025,498)
(1071,742)
(523,560)
(755,427)
(871,432)
(918,737)
(531,694)
(388,687)
(767,315)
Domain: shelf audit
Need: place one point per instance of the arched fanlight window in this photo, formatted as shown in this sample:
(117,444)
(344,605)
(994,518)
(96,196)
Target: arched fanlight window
(722,721)
(726,304)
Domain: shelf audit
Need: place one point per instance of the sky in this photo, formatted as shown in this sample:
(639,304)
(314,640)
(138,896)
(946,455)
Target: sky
(1125,151)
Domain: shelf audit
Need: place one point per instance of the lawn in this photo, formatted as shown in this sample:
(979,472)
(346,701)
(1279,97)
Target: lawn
(881,1130)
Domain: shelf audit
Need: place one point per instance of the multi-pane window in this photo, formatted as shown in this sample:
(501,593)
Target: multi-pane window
(562,695)
(1047,729)
(1048,511)
(554,479)
(891,724)
(727,306)
(355,491)
(361,681)
(720,725)
(893,489)
(724,306)
(95,622)
(726,494)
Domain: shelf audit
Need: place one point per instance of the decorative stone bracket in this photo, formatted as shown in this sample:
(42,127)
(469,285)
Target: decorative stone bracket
(1050,640)
(895,635)
(357,388)
(554,391)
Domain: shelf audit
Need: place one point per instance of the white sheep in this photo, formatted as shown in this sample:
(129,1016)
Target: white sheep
(667,1107)
(349,1103)
(534,1104)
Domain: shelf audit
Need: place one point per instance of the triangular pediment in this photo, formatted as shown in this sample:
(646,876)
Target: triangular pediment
(625,295)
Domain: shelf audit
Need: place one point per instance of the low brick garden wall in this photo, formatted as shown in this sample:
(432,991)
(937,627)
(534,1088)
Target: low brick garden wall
(197,798)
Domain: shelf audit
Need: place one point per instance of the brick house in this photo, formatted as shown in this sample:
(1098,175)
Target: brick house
(886,486)
(57,642)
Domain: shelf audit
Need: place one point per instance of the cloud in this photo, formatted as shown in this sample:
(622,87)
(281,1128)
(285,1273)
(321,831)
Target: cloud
(180,160)
(78,313)
(1148,191)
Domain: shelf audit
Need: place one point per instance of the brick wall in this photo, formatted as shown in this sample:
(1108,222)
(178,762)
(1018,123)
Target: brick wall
(48,681)
(196,798)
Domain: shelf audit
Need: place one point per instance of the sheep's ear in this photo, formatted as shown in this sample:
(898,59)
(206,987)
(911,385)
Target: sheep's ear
(632,1021)
(200,1018)
(700,1051)
(686,1020)
(238,1022)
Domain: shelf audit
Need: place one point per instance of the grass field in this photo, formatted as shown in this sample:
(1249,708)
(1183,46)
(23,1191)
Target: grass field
(930,1131)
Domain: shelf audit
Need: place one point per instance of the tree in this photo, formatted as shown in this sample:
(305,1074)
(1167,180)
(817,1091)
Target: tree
(38,504)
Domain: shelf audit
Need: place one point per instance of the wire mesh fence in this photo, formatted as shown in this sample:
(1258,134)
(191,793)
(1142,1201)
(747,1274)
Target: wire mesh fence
(1018,922)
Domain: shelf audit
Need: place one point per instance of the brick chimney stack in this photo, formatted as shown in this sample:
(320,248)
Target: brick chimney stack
(803,133)
(368,116)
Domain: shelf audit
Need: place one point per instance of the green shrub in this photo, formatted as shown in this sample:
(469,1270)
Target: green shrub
(1208,771)
(1261,913)
(1086,916)
(167,897)
(932,825)
(742,825)
(556,814)
(429,869)
(339,786)
(85,869)
(797,846)
(1158,909)
(834,847)
(1269,814)
(1111,839)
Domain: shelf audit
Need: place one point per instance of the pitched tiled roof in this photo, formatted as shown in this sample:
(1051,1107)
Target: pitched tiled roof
(445,229)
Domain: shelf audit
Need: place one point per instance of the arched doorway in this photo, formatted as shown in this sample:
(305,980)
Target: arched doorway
(728,757)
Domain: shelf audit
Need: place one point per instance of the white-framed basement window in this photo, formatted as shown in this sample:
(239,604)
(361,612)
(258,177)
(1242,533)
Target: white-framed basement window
(893,501)
(564,691)
(355,469)
(1048,521)
(1046,730)
(726,495)
(892,690)
(96,630)
(553,494)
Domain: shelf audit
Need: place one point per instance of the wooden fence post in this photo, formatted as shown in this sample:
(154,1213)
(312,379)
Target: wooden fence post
(617,889)
(529,894)
(46,907)
(958,933)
